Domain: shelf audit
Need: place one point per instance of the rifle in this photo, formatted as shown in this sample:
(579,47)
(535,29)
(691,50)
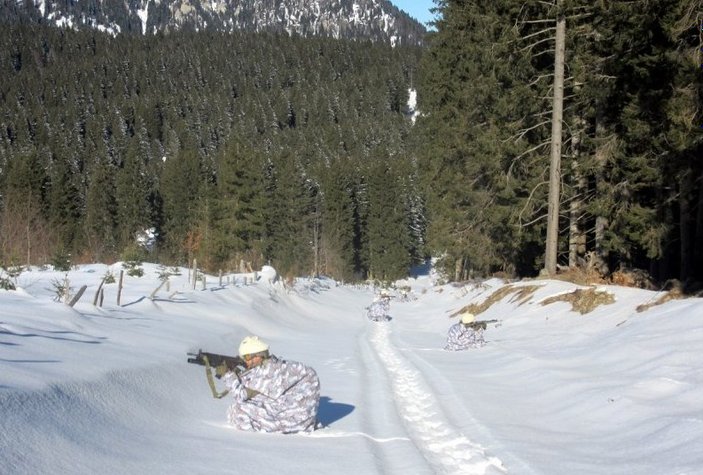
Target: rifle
(221,363)
(482,324)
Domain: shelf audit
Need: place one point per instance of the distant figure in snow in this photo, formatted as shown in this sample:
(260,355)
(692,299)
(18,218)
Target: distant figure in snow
(465,334)
(405,296)
(271,394)
(379,308)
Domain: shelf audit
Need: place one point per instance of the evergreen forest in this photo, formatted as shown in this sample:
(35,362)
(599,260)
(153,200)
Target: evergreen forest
(631,171)
(266,148)
(225,148)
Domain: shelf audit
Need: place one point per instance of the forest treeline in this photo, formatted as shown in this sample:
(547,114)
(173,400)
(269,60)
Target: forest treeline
(300,153)
(260,148)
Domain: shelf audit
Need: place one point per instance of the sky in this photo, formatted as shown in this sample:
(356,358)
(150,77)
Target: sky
(107,389)
(418,9)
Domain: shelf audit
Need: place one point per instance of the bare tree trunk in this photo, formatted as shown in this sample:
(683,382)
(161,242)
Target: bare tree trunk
(316,241)
(599,258)
(27,230)
(550,258)
(577,235)
(686,248)
(698,240)
(29,248)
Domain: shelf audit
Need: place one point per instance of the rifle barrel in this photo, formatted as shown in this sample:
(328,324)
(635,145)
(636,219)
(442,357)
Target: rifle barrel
(215,360)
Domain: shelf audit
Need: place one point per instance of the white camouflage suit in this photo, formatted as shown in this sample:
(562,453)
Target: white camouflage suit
(462,337)
(378,311)
(283,396)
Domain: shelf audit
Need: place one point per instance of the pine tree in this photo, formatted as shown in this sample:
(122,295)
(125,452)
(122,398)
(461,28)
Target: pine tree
(179,189)
(64,200)
(479,134)
(683,27)
(288,216)
(388,230)
(100,223)
(131,193)
(338,211)
(238,205)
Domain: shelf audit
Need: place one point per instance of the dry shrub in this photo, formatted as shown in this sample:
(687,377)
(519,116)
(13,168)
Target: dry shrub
(675,293)
(25,236)
(580,275)
(583,300)
(632,278)
(522,294)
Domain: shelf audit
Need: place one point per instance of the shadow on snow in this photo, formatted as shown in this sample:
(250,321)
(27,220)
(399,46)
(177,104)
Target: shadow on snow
(330,412)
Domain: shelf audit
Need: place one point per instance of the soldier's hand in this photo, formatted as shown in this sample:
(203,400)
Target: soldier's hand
(221,370)
(207,361)
(251,393)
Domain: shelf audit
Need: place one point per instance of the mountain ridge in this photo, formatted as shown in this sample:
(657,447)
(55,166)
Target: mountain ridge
(375,20)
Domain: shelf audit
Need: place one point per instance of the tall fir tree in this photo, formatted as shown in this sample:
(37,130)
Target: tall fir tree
(179,189)
(388,229)
(238,204)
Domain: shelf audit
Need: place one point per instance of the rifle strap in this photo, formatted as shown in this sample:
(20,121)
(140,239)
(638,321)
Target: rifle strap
(211,382)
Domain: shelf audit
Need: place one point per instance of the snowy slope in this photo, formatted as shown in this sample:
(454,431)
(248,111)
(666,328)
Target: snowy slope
(108,389)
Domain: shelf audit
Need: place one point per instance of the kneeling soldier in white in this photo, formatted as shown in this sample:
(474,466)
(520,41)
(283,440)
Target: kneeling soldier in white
(272,395)
(465,334)
(378,310)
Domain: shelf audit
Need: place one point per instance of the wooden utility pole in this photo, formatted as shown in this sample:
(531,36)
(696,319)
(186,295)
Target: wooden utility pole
(550,257)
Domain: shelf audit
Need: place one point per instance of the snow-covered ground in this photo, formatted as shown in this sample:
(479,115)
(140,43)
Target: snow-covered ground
(89,389)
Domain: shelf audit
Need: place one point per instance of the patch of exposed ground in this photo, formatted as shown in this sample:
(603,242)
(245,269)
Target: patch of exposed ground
(673,294)
(521,294)
(583,300)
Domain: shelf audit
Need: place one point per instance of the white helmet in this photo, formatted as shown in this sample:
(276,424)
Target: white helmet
(467,317)
(251,345)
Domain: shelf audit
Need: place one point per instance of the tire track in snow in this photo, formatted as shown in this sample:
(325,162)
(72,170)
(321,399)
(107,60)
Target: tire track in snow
(447,450)
(401,454)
